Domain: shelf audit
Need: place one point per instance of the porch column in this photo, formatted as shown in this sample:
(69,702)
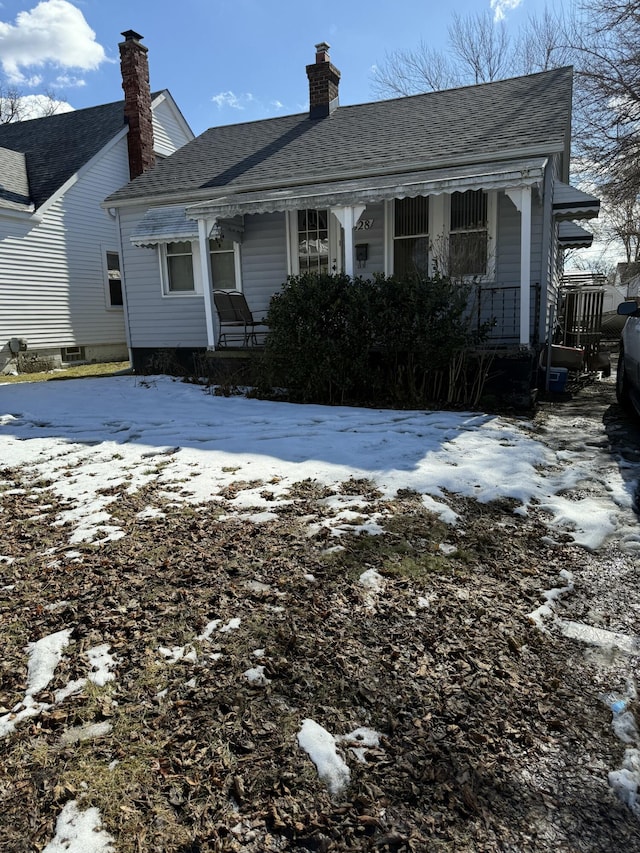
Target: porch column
(347,217)
(522,199)
(204,229)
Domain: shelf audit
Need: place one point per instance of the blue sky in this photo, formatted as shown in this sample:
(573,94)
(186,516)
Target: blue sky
(223,62)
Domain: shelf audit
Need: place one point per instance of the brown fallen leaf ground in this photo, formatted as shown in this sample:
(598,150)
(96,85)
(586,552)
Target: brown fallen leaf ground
(494,736)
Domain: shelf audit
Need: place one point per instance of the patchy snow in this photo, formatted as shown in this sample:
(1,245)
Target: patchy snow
(88,437)
(320,745)
(193,445)
(255,675)
(79,832)
(44,656)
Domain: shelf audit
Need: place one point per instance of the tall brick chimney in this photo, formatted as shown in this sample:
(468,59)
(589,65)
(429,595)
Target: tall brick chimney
(137,103)
(324,79)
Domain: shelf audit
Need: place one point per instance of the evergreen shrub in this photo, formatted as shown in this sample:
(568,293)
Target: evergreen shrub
(391,341)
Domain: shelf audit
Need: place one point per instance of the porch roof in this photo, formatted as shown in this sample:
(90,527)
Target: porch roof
(497,175)
(572,203)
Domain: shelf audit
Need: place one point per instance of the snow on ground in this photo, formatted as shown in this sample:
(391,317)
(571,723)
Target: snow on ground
(80,438)
(87,436)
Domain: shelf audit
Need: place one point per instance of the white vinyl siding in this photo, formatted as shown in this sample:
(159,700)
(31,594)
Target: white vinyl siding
(53,289)
(264,259)
(371,234)
(52,276)
(156,321)
(168,132)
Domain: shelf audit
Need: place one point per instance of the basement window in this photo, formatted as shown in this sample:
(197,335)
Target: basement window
(70,354)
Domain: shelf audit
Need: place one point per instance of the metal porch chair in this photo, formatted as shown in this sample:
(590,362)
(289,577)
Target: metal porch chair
(237,323)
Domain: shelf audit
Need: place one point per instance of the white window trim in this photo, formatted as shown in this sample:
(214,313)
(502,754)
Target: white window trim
(334,232)
(237,263)
(439,229)
(164,273)
(105,277)
(492,224)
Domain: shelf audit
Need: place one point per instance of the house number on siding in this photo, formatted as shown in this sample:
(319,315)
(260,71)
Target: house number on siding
(364,224)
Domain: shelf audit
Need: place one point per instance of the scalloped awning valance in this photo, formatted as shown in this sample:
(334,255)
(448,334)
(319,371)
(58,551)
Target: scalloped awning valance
(572,203)
(499,175)
(572,236)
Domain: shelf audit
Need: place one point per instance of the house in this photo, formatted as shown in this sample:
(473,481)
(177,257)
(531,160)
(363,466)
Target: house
(472,180)
(61,298)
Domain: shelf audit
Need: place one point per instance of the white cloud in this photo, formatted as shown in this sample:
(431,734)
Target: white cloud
(245,100)
(230,99)
(501,7)
(54,31)
(36,106)
(68,81)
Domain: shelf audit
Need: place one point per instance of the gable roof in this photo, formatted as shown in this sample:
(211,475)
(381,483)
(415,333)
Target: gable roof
(516,117)
(56,147)
(14,184)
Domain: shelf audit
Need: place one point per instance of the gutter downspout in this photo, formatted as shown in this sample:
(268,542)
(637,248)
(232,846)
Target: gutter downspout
(123,283)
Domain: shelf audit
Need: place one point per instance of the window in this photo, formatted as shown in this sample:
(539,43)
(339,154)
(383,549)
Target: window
(114,280)
(179,267)
(468,235)
(411,236)
(313,241)
(69,354)
(223,264)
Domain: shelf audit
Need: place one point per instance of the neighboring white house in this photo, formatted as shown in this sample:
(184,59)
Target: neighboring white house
(475,177)
(61,295)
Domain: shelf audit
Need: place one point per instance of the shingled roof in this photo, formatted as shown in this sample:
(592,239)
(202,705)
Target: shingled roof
(14,185)
(509,118)
(56,147)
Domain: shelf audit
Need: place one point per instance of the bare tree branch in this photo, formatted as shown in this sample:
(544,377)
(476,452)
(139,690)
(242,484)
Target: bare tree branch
(481,47)
(16,106)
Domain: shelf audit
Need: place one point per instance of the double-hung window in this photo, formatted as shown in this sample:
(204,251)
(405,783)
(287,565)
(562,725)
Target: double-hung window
(411,236)
(468,234)
(223,264)
(178,266)
(114,281)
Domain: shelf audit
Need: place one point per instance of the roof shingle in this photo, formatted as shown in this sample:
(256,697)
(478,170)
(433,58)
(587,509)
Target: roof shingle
(468,124)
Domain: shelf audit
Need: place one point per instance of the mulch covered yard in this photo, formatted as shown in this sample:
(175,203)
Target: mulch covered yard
(493,733)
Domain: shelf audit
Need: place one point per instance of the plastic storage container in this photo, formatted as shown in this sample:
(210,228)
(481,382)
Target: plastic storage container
(558,379)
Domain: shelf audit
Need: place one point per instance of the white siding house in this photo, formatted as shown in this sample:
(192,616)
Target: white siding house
(60,266)
(386,187)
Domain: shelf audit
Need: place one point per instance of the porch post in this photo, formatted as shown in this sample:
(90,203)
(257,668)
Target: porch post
(525,266)
(347,217)
(204,228)
(521,197)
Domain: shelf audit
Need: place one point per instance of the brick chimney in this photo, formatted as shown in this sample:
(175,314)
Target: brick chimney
(137,103)
(324,79)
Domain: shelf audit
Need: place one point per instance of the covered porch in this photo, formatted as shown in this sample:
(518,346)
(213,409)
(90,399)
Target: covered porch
(357,233)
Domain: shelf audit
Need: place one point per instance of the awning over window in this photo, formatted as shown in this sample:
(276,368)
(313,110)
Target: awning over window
(170,225)
(572,203)
(486,176)
(164,225)
(572,236)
